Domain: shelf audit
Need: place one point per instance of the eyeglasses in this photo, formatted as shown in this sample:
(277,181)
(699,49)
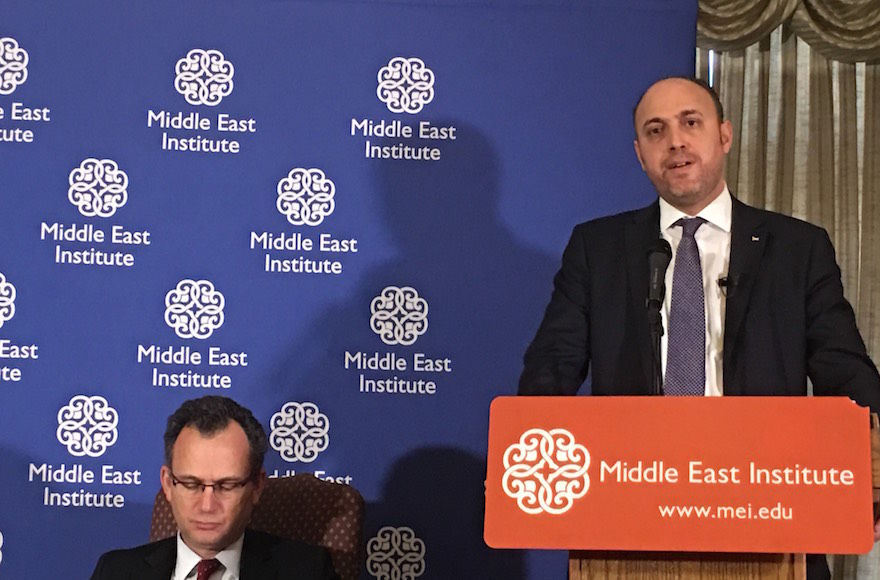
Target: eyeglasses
(222,488)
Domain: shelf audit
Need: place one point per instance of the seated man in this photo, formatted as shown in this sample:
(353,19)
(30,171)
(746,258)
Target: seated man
(213,477)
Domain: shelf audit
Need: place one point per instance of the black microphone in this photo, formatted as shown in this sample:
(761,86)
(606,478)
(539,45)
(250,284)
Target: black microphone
(658,260)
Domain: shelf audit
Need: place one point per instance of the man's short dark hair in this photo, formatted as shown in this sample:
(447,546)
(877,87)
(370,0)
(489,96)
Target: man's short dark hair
(211,414)
(719,108)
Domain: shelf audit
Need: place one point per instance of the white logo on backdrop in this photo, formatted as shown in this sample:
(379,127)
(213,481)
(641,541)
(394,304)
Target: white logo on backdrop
(300,431)
(546,471)
(395,554)
(305,196)
(98,187)
(194,309)
(204,77)
(399,315)
(7,300)
(13,65)
(406,85)
(87,426)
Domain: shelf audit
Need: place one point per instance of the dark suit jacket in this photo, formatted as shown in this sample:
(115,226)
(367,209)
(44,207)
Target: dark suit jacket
(786,317)
(263,557)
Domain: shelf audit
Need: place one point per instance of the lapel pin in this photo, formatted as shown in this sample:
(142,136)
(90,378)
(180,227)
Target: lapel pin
(756,239)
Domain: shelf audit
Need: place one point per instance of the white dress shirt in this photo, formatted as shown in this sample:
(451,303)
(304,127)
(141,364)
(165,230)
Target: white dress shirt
(187,560)
(713,242)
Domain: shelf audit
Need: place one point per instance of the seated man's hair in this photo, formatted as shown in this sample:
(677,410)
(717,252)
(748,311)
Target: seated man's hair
(211,414)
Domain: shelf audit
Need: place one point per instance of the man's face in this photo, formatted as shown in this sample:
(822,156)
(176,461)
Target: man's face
(210,521)
(681,143)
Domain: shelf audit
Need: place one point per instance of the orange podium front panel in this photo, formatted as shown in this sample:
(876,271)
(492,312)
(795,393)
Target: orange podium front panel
(725,474)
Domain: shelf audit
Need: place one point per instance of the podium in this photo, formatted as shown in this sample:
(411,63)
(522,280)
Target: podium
(682,487)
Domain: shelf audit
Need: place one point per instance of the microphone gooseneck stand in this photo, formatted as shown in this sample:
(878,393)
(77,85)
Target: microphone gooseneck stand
(656,323)
(659,257)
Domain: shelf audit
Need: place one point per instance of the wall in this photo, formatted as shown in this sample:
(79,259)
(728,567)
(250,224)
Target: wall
(440,265)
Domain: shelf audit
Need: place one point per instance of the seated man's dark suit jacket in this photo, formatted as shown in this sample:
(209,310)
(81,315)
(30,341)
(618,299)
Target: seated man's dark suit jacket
(263,557)
(786,316)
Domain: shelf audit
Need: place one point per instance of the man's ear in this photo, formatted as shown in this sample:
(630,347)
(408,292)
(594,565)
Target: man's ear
(638,153)
(165,480)
(726,130)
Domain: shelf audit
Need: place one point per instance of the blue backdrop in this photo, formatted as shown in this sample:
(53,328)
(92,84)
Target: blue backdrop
(294,245)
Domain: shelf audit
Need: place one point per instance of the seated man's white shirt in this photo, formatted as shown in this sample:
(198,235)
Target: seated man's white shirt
(187,560)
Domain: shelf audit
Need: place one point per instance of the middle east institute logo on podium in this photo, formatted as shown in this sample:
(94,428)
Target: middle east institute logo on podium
(399,315)
(741,488)
(194,309)
(87,426)
(204,77)
(300,431)
(98,187)
(546,471)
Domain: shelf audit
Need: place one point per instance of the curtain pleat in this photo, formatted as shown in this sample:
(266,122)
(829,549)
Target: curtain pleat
(869,280)
(735,24)
(819,168)
(847,209)
(843,30)
(789,90)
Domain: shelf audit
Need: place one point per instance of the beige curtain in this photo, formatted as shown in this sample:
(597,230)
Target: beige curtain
(800,81)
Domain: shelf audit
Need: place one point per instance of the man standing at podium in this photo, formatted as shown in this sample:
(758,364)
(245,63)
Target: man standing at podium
(754,302)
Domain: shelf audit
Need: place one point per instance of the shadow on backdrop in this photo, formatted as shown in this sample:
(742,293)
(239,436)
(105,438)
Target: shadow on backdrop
(486,293)
(447,515)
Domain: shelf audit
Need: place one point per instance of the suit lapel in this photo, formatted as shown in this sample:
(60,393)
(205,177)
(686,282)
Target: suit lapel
(161,560)
(255,559)
(640,234)
(748,239)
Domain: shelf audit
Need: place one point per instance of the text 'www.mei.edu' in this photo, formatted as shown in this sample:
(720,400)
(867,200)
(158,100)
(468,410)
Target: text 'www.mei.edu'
(743,512)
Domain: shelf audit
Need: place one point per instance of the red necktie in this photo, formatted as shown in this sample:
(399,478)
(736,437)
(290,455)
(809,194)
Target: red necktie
(206,568)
